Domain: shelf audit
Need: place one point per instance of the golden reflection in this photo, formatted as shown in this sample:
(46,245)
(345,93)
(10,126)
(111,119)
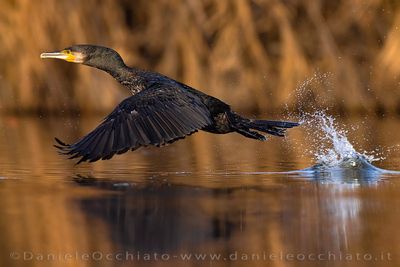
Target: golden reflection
(190,197)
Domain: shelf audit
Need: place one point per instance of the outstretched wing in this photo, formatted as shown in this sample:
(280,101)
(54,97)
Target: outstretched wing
(156,116)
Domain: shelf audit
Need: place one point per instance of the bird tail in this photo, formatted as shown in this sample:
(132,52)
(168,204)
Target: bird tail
(277,128)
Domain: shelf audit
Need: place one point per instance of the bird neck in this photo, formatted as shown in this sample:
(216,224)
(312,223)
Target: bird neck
(113,65)
(118,72)
(130,78)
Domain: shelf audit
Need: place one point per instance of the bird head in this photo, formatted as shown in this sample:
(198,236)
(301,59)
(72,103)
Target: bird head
(92,55)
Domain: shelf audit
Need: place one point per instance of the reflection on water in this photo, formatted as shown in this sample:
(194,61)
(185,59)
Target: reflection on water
(223,195)
(160,217)
(356,171)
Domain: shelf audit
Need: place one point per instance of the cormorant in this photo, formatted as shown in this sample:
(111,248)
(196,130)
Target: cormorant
(160,110)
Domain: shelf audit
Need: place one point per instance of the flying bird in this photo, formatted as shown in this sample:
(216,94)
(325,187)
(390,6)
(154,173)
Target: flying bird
(160,111)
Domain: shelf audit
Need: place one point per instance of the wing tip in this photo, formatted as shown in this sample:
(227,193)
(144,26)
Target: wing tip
(60,143)
(62,147)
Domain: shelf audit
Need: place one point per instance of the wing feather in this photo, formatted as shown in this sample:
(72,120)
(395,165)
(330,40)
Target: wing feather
(156,116)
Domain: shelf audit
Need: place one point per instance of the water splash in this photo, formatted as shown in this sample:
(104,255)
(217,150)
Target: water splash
(333,146)
(337,161)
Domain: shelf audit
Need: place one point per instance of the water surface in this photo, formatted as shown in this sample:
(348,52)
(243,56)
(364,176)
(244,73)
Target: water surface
(222,199)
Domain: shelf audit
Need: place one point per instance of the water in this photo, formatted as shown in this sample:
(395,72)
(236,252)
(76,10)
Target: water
(337,161)
(316,192)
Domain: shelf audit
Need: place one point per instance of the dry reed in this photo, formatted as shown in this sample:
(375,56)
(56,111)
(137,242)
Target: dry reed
(253,54)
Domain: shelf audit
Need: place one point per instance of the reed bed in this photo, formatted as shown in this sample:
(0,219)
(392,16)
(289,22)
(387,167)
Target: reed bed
(254,54)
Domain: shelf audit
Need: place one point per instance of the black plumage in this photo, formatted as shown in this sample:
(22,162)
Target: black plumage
(160,111)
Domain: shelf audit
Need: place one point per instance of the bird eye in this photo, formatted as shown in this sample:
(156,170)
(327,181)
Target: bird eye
(67,51)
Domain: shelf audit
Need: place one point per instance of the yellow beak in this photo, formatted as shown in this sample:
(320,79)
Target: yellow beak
(66,55)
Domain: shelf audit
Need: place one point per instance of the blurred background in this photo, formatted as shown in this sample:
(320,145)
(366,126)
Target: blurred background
(251,53)
(213,193)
